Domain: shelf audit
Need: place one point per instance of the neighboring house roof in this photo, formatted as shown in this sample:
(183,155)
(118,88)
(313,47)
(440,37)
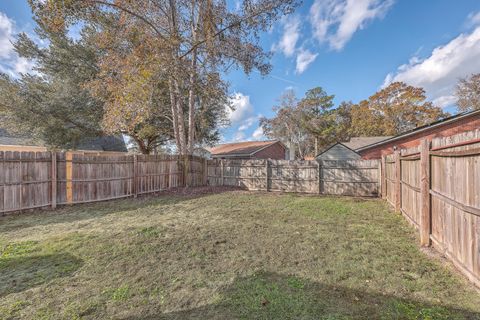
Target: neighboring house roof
(9,139)
(246,148)
(104,143)
(359,142)
(420,129)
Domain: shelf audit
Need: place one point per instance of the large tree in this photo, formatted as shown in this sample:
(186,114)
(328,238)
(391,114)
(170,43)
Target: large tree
(393,110)
(468,93)
(286,125)
(317,116)
(51,105)
(192,41)
(309,123)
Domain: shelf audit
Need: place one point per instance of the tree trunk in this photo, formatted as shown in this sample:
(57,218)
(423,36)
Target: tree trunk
(300,151)
(141,146)
(173,104)
(181,119)
(191,105)
(177,105)
(191,84)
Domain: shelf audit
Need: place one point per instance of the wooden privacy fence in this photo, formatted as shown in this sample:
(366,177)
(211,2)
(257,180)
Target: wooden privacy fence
(31,180)
(333,177)
(436,187)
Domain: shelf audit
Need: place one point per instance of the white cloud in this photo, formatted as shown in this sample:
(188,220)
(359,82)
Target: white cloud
(291,34)
(473,19)
(445,101)
(243,109)
(239,136)
(439,73)
(23,65)
(304,59)
(6,36)
(247,123)
(243,117)
(335,21)
(10,62)
(258,134)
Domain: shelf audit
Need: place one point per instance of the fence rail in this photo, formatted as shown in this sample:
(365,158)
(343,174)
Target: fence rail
(30,180)
(436,187)
(334,177)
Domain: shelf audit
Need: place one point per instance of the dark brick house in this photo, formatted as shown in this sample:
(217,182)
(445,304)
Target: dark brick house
(459,123)
(250,150)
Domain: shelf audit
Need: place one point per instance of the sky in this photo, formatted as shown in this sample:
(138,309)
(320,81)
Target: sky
(351,48)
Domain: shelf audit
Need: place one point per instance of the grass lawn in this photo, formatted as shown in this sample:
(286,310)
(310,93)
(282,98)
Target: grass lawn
(232,255)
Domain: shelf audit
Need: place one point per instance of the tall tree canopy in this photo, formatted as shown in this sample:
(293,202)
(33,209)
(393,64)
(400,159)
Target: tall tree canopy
(309,123)
(52,105)
(393,110)
(468,93)
(57,104)
(188,44)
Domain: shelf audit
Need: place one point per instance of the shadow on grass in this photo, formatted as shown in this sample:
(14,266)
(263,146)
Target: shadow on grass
(23,272)
(79,212)
(274,296)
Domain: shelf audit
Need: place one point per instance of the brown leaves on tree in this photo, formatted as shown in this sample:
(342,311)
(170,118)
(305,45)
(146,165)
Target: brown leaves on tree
(468,93)
(393,110)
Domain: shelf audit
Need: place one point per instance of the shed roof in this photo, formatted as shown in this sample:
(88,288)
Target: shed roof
(333,145)
(241,148)
(359,142)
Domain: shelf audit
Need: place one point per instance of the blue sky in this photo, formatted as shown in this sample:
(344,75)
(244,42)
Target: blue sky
(351,48)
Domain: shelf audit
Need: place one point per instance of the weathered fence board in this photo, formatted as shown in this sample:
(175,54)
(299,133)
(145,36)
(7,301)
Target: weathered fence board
(348,177)
(440,196)
(455,198)
(80,177)
(390,179)
(25,180)
(410,205)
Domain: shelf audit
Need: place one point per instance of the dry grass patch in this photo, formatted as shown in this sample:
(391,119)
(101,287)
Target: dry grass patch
(233,255)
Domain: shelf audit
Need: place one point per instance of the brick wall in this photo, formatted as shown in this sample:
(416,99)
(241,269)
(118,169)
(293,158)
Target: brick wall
(462,125)
(275,151)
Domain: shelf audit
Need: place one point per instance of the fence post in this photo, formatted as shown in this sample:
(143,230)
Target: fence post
(135,173)
(185,170)
(319,175)
(54,180)
(221,172)
(425,213)
(205,171)
(266,174)
(398,178)
(69,175)
(383,176)
(169,164)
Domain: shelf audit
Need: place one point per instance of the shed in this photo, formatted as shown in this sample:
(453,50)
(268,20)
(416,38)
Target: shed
(348,150)
(338,151)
